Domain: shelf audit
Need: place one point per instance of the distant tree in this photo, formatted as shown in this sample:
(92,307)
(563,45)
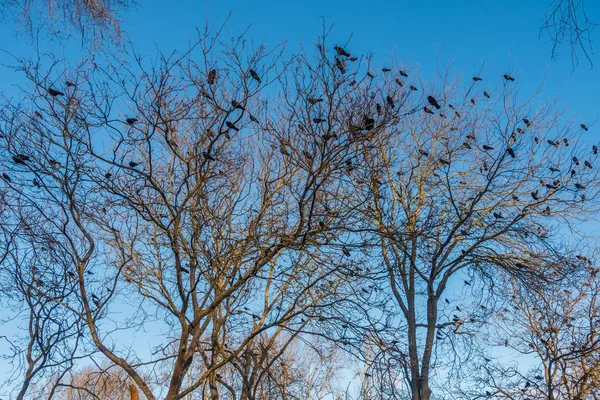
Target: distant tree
(95,21)
(558,328)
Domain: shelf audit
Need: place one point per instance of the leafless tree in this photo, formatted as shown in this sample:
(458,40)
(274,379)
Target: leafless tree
(96,21)
(190,201)
(557,328)
(567,23)
(474,180)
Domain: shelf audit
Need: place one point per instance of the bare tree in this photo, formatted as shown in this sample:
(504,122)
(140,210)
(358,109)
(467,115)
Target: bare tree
(95,21)
(567,23)
(189,202)
(558,329)
(472,181)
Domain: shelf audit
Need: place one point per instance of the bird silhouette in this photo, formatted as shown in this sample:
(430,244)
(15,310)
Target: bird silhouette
(467,283)
(36,183)
(433,102)
(108,175)
(208,156)
(211,77)
(486,147)
(511,152)
(444,161)
(346,251)
(318,120)
(6,177)
(457,114)
(423,153)
(70,84)
(399,82)
(55,93)
(552,143)
(340,65)
(526,121)
(576,160)
(477,79)
(404,74)
(370,74)
(185,270)
(133,164)
(313,100)
(341,52)
(447,301)
(535,195)
(390,101)
(413,88)
(595,149)
(486,94)
(20,159)
(508,77)
(131,121)
(237,105)
(587,164)
(498,215)
(368,123)
(427,110)
(579,186)
(584,127)
(231,125)
(385,70)
(254,75)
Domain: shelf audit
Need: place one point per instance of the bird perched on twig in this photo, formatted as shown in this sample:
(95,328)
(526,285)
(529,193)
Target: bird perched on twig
(433,102)
(131,121)
(477,79)
(254,75)
(211,77)
(55,93)
(508,77)
(341,52)
(340,65)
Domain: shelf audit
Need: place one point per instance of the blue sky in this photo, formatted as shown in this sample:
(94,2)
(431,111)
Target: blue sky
(502,34)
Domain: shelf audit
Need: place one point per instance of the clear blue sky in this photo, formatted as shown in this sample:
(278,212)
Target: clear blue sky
(501,34)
